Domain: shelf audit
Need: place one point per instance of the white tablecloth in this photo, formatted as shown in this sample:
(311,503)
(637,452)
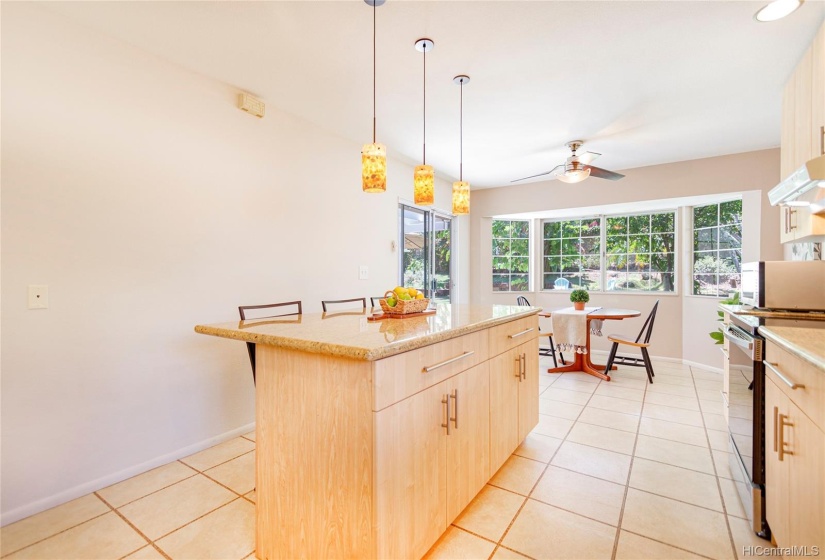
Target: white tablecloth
(570,329)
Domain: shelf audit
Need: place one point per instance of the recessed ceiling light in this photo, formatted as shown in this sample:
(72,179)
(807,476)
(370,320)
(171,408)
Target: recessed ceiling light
(777,10)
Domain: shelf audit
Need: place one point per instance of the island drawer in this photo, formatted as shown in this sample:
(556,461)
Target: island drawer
(509,335)
(786,371)
(402,375)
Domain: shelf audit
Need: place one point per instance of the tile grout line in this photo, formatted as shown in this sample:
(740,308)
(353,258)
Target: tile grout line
(718,483)
(134,528)
(547,466)
(55,534)
(627,481)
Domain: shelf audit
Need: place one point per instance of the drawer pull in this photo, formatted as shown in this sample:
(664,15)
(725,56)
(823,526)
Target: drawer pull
(518,334)
(784,379)
(451,360)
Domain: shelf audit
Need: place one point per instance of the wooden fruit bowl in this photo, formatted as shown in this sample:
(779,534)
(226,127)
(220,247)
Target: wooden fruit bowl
(404,306)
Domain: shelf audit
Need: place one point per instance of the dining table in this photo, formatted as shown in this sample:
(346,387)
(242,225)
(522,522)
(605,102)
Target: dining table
(582,361)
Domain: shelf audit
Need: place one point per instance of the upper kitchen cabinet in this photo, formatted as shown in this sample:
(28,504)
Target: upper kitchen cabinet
(802,136)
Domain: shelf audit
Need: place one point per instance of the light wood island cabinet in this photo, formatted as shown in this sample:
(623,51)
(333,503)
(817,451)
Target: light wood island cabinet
(372,437)
(795,436)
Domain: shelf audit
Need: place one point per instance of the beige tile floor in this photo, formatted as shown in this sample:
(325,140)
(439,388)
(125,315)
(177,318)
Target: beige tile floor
(620,470)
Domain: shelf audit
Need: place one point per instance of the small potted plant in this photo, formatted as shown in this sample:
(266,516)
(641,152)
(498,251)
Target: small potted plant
(579,298)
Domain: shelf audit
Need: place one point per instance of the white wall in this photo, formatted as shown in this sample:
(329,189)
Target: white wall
(148,203)
(682,321)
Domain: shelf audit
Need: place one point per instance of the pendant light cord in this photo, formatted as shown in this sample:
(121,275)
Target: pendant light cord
(425,103)
(461,133)
(374,6)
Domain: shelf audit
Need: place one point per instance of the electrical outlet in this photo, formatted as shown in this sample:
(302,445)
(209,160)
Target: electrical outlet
(38,297)
(363,272)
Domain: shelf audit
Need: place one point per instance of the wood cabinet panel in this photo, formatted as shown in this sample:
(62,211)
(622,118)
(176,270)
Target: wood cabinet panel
(788,129)
(776,471)
(512,334)
(811,397)
(317,451)
(528,395)
(401,375)
(818,93)
(504,399)
(803,80)
(468,445)
(411,474)
(806,480)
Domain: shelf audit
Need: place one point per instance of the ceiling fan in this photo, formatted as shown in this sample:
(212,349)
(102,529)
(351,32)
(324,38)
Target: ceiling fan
(577,168)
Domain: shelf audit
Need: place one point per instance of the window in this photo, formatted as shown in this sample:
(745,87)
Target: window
(717,248)
(614,253)
(640,252)
(572,254)
(511,256)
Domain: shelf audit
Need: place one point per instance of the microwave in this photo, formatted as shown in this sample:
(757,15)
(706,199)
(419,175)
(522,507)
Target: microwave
(784,285)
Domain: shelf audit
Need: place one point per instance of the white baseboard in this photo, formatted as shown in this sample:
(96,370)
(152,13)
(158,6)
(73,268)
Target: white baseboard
(668,359)
(93,485)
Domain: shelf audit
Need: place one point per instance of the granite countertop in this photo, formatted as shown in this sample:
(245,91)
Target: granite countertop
(808,344)
(785,314)
(349,334)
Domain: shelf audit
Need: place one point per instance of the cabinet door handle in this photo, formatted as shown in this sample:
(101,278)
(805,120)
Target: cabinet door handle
(785,220)
(518,373)
(822,140)
(518,334)
(524,366)
(446,400)
(791,222)
(775,429)
(782,423)
(428,369)
(785,380)
(454,418)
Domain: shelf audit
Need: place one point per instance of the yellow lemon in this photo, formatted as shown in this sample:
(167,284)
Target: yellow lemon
(412,291)
(400,290)
(419,296)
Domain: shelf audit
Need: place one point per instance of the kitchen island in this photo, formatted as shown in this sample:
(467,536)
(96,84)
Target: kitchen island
(372,437)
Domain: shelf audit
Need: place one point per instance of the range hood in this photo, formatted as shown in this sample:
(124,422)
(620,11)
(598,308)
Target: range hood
(810,175)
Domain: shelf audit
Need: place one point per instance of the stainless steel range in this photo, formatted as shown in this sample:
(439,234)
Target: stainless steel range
(795,296)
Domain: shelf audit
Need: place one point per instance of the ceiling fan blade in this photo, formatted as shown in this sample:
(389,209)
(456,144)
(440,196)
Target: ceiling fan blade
(604,173)
(587,157)
(539,175)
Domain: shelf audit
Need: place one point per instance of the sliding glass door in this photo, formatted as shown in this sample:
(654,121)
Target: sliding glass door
(425,262)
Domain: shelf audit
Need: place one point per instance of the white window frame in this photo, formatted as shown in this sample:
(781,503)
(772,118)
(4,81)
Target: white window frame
(691,252)
(530,252)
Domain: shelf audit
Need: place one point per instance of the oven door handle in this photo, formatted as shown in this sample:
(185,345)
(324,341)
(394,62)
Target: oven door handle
(741,339)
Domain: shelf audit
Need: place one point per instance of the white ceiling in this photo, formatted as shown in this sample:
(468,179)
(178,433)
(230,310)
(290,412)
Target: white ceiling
(643,82)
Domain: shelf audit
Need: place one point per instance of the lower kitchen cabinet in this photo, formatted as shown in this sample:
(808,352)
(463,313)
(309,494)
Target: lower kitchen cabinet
(794,467)
(433,460)
(514,385)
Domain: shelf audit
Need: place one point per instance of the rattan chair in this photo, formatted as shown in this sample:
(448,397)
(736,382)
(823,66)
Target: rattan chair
(642,345)
(243,309)
(544,351)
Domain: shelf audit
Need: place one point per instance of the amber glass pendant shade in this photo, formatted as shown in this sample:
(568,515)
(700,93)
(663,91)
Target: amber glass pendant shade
(461,198)
(374,168)
(424,185)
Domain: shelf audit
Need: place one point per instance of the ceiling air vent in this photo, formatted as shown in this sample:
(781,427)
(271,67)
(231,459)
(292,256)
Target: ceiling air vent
(251,105)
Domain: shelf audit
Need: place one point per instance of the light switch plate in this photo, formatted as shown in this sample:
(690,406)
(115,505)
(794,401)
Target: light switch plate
(38,296)
(363,272)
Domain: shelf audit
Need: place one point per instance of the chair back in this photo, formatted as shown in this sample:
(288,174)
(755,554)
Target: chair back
(362,300)
(647,328)
(243,309)
(562,284)
(374,301)
(523,301)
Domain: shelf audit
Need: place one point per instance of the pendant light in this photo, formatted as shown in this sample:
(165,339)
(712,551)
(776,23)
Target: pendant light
(461,188)
(424,176)
(374,156)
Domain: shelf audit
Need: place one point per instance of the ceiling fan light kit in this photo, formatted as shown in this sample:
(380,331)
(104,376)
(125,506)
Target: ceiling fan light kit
(424,175)
(577,168)
(374,156)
